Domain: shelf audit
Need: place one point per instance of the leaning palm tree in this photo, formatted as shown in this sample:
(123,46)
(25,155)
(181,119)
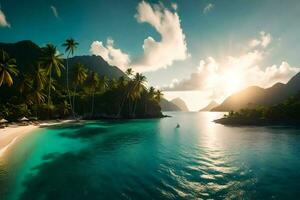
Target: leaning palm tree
(51,61)
(93,84)
(70,46)
(139,86)
(80,74)
(148,96)
(8,69)
(127,85)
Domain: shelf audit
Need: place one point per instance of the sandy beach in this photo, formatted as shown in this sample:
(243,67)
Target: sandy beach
(10,136)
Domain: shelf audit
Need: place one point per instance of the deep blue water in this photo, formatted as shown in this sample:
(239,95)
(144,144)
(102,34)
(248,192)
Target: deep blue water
(151,159)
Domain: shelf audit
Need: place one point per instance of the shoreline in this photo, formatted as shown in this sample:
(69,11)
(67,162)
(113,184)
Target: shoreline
(248,122)
(11,135)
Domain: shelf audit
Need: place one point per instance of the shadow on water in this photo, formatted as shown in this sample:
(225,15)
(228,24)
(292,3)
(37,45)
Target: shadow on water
(80,130)
(61,177)
(84,132)
(72,175)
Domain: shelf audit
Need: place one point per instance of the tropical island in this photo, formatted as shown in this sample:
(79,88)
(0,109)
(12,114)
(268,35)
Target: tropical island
(286,113)
(86,88)
(277,105)
(37,83)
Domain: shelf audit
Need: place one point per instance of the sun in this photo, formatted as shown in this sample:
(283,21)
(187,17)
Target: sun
(233,81)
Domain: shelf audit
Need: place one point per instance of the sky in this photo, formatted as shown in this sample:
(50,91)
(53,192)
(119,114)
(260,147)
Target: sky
(199,50)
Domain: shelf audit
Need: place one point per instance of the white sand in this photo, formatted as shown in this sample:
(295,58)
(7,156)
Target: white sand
(10,135)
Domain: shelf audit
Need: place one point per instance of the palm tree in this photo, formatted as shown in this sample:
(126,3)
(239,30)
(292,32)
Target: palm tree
(127,87)
(113,83)
(79,76)
(149,96)
(36,97)
(51,61)
(70,46)
(158,95)
(38,77)
(151,92)
(129,72)
(7,69)
(64,108)
(139,86)
(25,84)
(103,84)
(93,83)
(122,82)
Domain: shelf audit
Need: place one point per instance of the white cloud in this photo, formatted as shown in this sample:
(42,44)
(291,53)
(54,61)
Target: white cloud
(111,54)
(172,47)
(263,41)
(3,20)
(157,54)
(208,8)
(221,78)
(272,74)
(54,11)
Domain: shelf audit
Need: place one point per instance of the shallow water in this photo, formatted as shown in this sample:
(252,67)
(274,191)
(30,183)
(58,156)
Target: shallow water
(151,159)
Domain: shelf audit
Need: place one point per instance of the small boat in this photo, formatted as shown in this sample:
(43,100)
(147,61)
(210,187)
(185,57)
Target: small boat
(177,126)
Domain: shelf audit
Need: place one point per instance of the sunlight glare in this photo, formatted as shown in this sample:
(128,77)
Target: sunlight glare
(233,82)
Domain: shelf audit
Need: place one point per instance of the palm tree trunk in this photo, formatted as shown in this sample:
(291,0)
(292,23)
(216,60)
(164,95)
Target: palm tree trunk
(36,112)
(134,108)
(123,101)
(145,107)
(93,100)
(49,93)
(68,87)
(121,106)
(73,100)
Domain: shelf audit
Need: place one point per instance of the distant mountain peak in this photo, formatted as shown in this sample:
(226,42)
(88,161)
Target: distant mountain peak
(180,103)
(295,80)
(168,105)
(27,53)
(254,95)
(210,106)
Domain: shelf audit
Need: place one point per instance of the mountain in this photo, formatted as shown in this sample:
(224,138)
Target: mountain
(168,106)
(180,104)
(210,106)
(26,53)
(97,64)
(254,96)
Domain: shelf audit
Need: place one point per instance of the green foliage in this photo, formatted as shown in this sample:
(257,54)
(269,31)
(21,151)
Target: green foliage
(8,69)
(288,110)
(92,95)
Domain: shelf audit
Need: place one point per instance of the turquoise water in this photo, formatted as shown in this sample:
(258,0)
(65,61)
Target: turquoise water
(151,159)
